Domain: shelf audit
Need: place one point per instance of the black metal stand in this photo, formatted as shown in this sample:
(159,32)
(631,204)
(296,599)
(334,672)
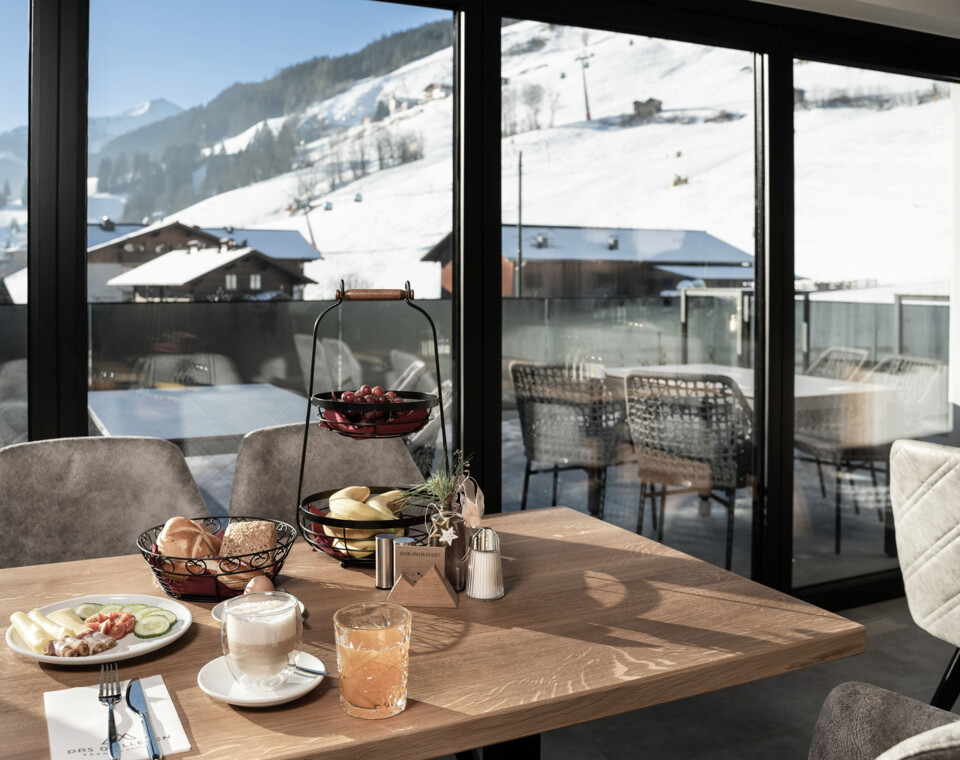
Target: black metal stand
(342,295)
(525,748)
(949,688)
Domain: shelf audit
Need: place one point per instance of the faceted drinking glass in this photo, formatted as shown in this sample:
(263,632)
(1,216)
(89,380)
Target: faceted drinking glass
(373,656)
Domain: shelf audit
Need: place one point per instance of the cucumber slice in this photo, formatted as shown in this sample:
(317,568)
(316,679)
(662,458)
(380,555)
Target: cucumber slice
(163,613)
(87,609)
(107,608)
(132,608)
(145,611)
(151,627)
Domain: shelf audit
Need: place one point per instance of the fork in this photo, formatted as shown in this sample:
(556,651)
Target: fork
(110,695)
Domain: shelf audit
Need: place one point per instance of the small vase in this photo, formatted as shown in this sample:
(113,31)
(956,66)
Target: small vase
(455,563)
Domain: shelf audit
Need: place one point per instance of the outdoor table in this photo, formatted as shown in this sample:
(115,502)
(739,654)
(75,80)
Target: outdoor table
(201,418)
(596,621)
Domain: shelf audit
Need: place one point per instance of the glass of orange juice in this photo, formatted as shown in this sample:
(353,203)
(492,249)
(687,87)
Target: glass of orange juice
(373,656)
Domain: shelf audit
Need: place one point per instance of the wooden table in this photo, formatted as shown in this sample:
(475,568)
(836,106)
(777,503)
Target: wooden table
(596,621)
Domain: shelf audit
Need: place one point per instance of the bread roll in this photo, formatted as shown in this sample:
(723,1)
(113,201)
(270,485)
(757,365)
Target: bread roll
(247,537)
(185,539)
(188,539)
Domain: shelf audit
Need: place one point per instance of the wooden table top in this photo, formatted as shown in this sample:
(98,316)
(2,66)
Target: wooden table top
(596,621)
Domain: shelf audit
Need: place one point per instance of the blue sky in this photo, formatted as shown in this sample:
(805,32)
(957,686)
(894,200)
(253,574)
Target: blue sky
(187,51)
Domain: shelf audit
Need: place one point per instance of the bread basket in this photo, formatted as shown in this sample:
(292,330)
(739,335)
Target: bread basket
(213,579)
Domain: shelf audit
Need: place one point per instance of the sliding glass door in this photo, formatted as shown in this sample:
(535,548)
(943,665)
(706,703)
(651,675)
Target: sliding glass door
(627,264)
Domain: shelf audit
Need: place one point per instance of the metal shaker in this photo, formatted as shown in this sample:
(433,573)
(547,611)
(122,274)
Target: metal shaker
(384,559)
(484,568)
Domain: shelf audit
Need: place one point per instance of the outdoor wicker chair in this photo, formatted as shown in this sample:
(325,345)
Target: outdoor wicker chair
(569,421)
(838,363)
(691,433)
(915,379)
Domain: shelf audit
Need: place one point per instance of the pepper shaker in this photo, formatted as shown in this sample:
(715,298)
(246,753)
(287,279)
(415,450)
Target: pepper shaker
(485,570)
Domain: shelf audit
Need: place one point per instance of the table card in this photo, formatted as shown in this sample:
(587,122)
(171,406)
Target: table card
(77,723)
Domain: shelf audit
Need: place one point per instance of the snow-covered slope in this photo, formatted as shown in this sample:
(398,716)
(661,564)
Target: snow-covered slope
(102,129)
(873,192)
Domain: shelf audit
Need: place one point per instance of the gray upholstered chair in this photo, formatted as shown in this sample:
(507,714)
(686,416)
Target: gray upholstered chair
(81,498)
(863,722)
(268,468)
(925,496)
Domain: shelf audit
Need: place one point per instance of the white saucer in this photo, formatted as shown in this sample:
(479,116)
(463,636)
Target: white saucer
(217,611)
(216,680)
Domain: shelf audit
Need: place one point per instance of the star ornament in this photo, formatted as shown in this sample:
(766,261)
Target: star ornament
(448,536)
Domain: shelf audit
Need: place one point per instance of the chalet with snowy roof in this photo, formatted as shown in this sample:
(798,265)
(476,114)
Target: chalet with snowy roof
(106,230)
(624,262)
(223,273)
(437,91)
(114,256)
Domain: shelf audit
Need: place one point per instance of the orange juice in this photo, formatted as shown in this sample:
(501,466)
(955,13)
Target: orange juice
(373,645)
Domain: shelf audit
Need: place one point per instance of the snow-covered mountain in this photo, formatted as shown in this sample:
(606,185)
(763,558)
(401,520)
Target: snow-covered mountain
(873,186)
(102,129)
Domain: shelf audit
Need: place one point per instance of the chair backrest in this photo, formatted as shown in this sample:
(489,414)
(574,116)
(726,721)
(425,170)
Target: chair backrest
(690,430)
(343,366)
(187,369)
(268,468)
(567,417)
(859,720)
(925,496)
(80,498)
(915,375)
(838,363)
(423,444)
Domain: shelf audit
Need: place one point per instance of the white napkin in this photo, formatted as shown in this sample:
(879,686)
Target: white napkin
(77,723)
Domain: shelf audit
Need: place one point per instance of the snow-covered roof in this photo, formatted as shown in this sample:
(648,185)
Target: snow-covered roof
(179,267)
(97,234)
(886,293)
(556,243)
(277,244)
(16,284)
(711,272)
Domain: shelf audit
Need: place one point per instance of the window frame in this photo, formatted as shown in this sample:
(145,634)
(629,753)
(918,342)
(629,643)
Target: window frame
(58,313)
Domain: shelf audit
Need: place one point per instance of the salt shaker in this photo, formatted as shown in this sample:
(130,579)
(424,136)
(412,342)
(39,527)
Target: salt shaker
(484,569)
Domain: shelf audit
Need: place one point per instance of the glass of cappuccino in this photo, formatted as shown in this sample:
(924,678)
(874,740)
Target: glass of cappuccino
(260,634)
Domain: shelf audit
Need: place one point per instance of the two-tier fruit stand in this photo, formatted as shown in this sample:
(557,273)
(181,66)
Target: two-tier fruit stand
(390,418)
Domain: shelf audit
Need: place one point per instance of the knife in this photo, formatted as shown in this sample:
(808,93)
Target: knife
(138,703)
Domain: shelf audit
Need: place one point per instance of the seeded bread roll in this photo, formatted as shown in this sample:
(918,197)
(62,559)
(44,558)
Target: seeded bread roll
(247,538)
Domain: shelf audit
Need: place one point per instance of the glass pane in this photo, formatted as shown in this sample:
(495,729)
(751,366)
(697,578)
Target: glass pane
(234,187)
(14,72)
(627,218)
(874,226)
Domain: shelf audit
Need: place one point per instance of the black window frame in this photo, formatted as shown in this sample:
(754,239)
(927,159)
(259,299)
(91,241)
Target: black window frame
(58,312)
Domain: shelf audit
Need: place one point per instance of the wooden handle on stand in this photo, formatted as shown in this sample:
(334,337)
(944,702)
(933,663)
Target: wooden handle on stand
(372,295)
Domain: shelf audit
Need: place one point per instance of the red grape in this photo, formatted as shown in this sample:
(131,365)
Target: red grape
(390,395)
(364,390)
(377,390)
(350,397)
(370,398)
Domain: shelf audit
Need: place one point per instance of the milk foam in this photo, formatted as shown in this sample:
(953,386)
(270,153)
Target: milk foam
(262,622)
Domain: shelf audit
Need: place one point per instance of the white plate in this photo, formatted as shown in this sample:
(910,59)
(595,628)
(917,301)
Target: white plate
(216,680)
(217,612)
(127,647)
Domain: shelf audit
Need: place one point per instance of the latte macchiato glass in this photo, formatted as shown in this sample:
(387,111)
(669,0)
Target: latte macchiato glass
(260,634)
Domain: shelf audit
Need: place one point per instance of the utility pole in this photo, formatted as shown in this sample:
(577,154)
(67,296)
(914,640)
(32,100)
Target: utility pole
(583,70)
(520,224)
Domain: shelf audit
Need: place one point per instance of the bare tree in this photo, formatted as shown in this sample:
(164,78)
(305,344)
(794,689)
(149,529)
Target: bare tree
(508,111)
(532,97)
(553,102)
(358,157)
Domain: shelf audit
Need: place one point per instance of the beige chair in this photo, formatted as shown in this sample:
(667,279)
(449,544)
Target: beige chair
(268,468)
(925,496)
(81,498)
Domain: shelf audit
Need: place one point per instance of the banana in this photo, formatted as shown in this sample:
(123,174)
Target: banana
(380,506)
(356,549)
(350,532)
(357,493)
(395,500)
(350,509)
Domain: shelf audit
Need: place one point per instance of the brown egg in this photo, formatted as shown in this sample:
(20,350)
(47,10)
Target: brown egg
(260,583)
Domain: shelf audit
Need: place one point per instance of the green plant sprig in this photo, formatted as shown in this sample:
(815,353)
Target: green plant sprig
(444,481)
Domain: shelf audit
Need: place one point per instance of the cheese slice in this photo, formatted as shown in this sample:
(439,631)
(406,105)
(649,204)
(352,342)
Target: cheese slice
(71,621)
(53,630)
(32,636)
